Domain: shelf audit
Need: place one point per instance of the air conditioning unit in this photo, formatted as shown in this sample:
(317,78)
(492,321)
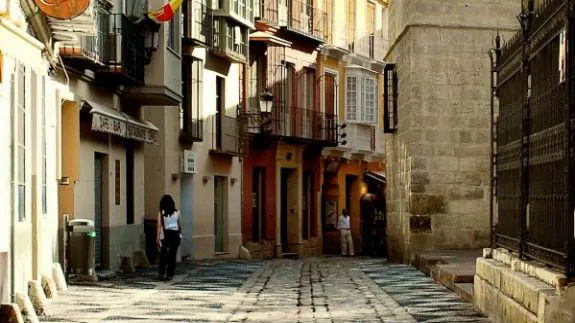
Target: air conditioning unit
(189,162)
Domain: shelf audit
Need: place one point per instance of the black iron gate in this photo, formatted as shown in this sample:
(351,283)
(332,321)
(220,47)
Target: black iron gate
(533,137)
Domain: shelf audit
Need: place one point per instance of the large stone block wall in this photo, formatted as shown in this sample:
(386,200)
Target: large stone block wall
(438,160)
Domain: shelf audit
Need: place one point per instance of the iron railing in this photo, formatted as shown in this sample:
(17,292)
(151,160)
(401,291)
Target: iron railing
(296,124)
(90,48)
(534,169)
(306,19)
(124,51)
(198,22)
(373,45)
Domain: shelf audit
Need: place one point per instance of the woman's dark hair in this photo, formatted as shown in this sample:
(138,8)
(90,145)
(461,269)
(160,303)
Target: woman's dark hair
(167,205)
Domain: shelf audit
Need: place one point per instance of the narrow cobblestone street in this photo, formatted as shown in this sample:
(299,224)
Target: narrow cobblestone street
(308,290)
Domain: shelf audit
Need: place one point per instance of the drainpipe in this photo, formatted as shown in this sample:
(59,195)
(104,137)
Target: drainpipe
(12,196)
(491,164)
(38,23)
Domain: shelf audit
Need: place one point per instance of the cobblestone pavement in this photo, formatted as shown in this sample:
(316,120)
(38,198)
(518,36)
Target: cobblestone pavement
(308,290)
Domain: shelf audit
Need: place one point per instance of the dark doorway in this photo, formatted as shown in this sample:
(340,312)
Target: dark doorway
(98,204)
(258,204)
(284,209)
(349,183)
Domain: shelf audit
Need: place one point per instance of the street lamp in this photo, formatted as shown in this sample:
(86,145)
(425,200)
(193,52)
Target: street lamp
(266,101)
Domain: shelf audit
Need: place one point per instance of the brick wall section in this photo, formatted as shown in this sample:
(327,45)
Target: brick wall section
(438,160)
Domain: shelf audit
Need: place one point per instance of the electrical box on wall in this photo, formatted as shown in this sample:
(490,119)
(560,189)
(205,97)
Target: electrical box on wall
(189,162)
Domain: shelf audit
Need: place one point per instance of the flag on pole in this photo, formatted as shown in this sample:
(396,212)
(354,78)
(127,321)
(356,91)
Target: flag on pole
(166,13)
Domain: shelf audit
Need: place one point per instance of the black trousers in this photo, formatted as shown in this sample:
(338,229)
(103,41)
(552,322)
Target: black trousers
(169,251)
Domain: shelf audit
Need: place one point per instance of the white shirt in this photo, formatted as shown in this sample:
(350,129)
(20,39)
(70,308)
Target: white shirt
(171,221)
(343,222)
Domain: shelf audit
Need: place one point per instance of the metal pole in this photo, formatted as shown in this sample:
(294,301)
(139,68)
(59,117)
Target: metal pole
(491,164)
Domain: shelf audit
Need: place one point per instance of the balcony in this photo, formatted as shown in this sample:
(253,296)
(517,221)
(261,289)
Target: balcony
(224,135)
(337,39)
(124,55)
(372,46)
(198,23)
(304,19)
(296,125)
(240,11)
(230,42)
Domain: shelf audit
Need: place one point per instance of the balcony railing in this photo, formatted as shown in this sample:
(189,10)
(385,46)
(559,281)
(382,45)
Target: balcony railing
(89,48)
(198,22)
(337,35)
(292,123)
(124,53)
(225,135)
(305,19)
(374,46)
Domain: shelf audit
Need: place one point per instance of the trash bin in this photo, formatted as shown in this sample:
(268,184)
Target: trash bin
(82,246)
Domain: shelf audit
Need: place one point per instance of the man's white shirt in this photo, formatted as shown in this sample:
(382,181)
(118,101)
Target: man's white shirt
(343,222)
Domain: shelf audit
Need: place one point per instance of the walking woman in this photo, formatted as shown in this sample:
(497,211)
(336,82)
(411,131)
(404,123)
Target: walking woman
(168,236)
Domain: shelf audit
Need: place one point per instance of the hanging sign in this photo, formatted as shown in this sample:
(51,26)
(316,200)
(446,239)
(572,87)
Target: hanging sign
(62,9)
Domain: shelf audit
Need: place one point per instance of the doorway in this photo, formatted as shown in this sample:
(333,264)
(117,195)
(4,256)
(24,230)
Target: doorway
(284,209)
(98,204)
(289,221)
(258,205)
(219,207)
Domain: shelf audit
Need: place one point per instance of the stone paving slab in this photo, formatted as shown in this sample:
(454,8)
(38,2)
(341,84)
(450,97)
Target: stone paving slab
(283,290)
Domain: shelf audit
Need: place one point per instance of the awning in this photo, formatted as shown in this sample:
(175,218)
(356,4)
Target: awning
(376,176)
(265,37)
(117,123)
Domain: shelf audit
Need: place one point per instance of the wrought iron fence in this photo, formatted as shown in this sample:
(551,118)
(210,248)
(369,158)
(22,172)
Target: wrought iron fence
(534,138)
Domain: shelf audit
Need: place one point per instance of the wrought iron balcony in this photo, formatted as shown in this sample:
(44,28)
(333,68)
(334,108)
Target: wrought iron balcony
(373,46)
(88,51)
(295,124)
(225,135)
(304,19)
(198,22)
(124,53)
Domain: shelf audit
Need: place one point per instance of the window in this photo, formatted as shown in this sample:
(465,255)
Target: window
(191,122)
(173,37)
(20,104)
(361,97)
(117,182)
(390,121)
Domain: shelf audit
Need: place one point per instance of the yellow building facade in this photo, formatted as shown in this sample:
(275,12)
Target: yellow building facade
(353,62)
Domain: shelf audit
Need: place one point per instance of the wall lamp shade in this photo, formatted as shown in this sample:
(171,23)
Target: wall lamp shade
(266,101)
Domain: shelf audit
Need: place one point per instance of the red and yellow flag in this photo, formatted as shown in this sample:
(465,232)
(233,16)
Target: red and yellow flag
(166,13)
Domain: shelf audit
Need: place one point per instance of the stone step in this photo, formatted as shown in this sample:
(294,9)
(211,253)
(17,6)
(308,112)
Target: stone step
(451,274)
(464,290)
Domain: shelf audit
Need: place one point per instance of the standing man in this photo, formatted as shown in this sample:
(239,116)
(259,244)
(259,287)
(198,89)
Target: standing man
(343,224)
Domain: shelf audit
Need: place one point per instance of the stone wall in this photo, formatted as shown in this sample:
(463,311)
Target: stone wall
(438,160)
(508,289)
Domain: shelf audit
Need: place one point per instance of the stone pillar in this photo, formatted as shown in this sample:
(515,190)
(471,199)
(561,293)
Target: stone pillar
(438,159)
